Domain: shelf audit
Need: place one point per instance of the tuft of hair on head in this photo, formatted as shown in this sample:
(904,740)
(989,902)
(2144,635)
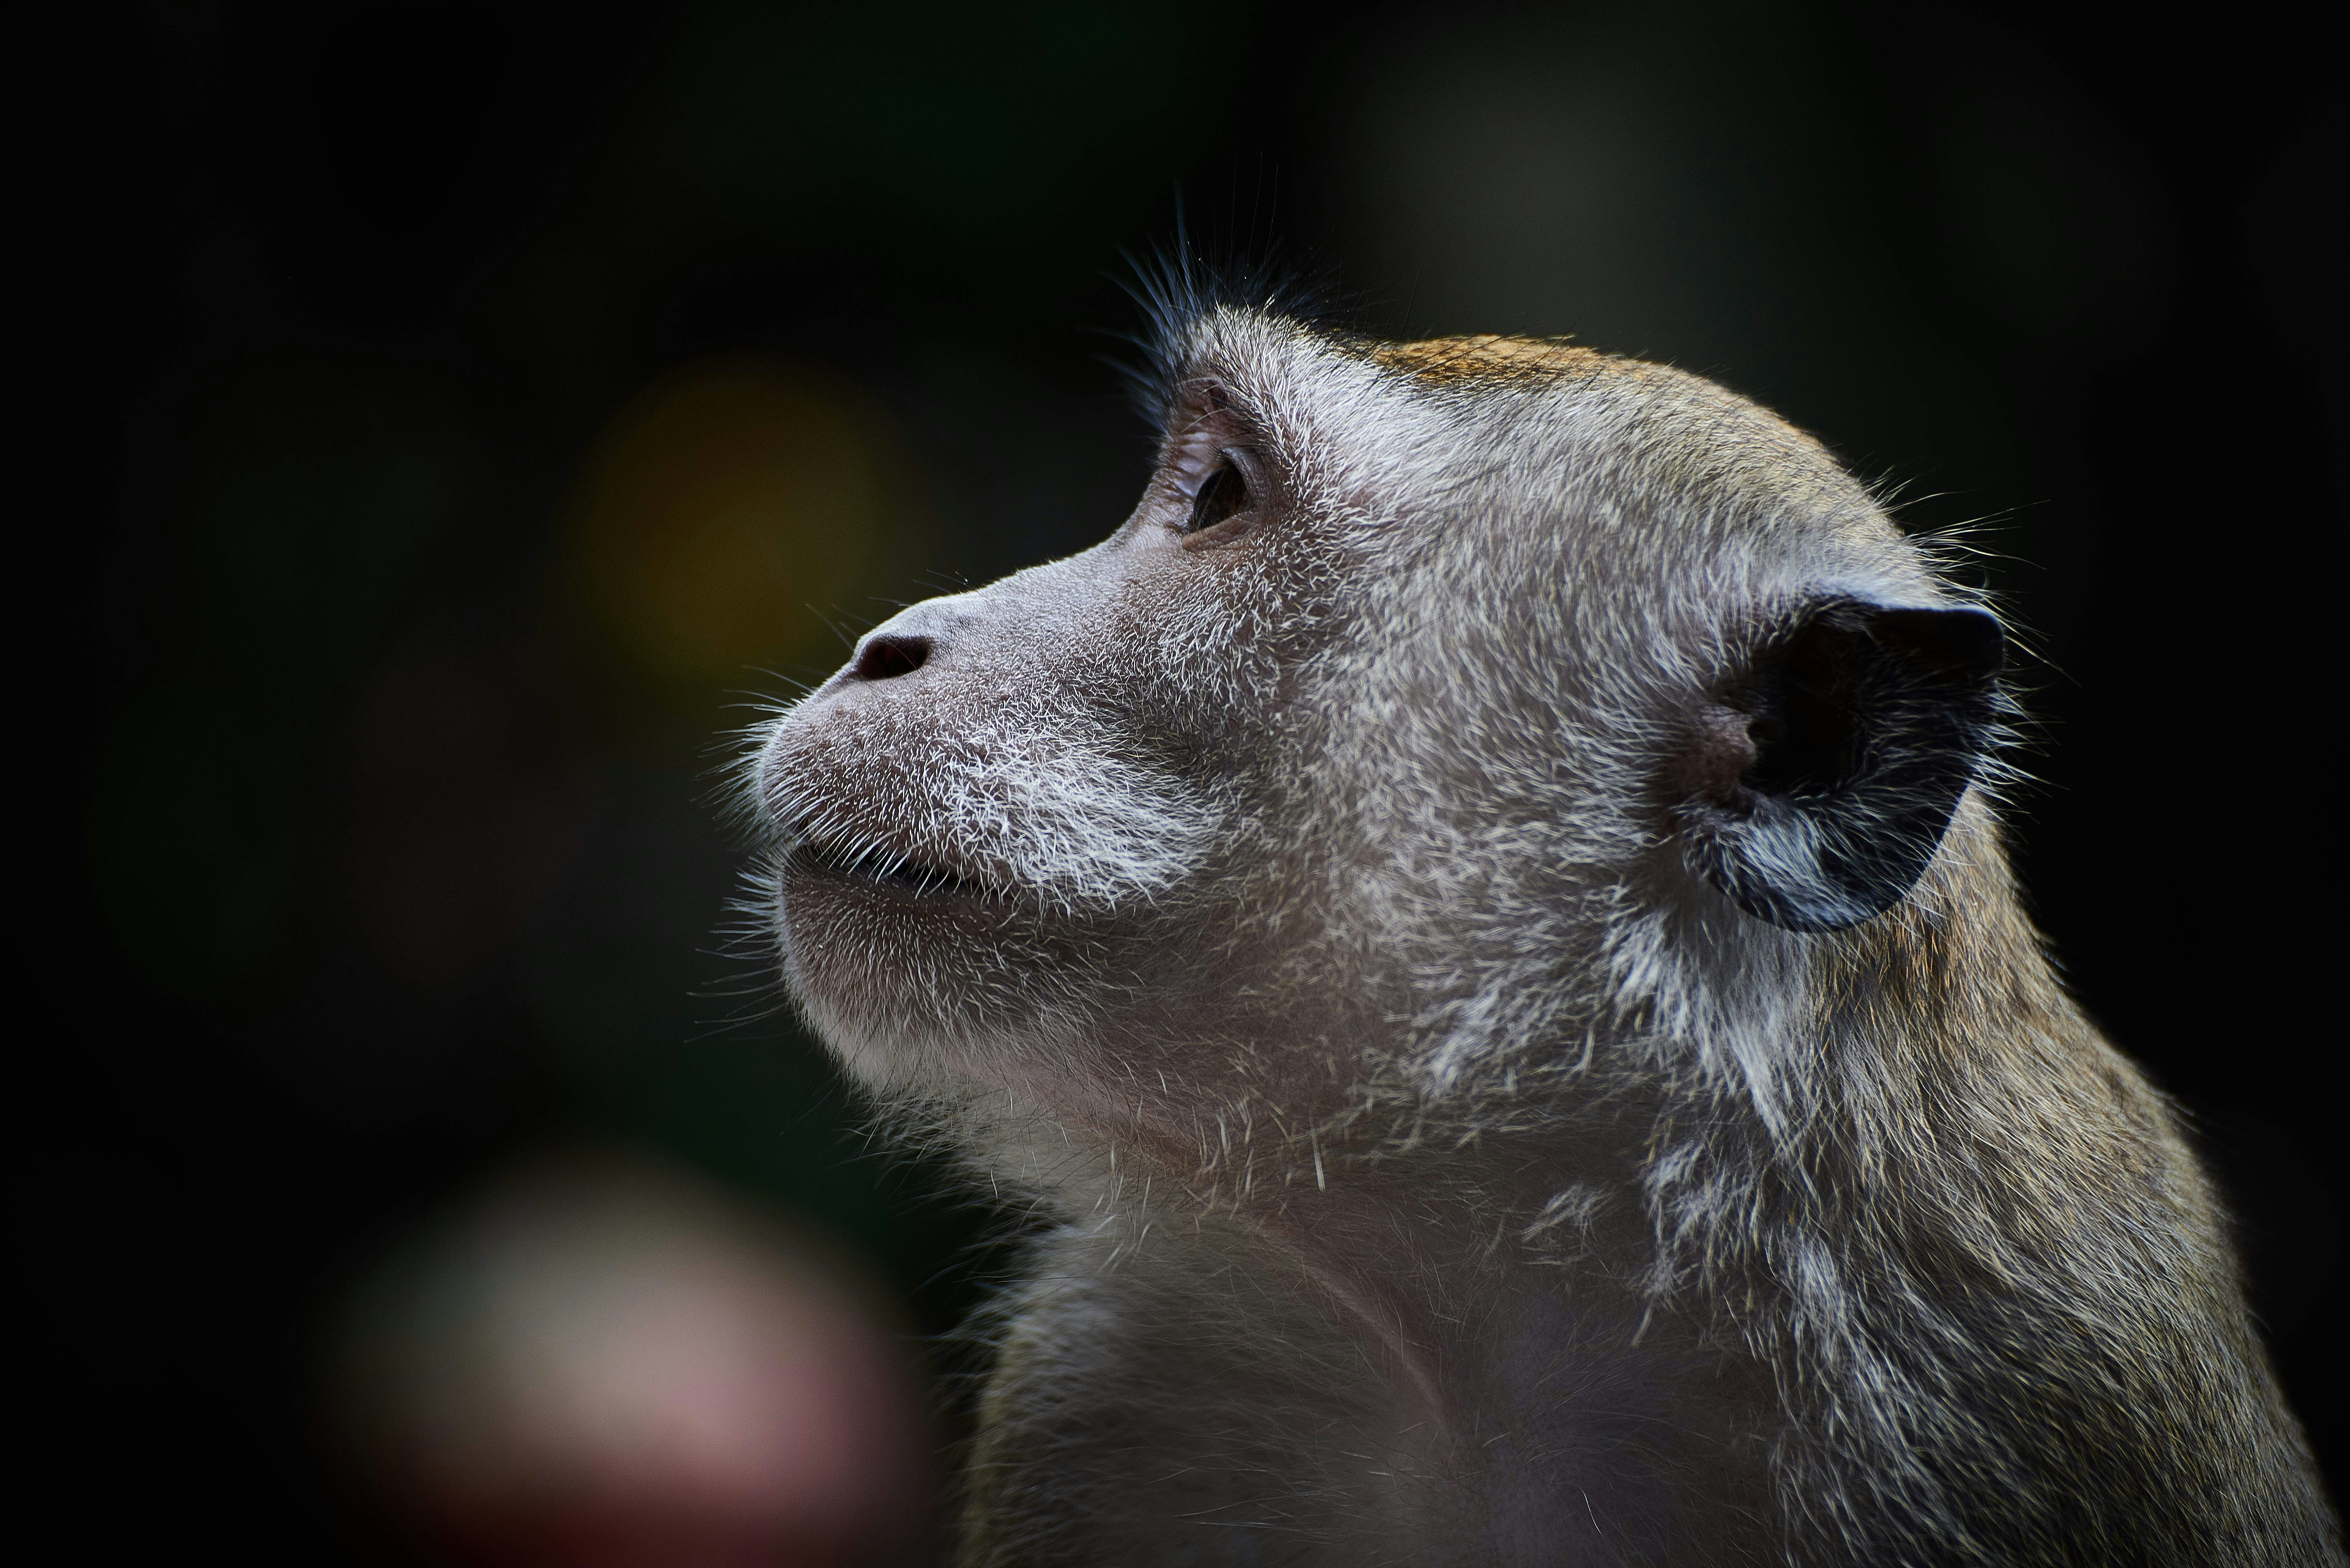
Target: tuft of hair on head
(1181,282)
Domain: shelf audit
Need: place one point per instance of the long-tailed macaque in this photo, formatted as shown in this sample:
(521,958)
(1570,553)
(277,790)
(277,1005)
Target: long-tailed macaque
(1482,908)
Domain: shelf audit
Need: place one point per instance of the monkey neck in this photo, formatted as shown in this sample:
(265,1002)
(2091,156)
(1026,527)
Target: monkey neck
(1456,1279)
(1661,1242)
(1475,1369)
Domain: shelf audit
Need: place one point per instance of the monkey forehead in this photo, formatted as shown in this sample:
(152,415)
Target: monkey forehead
(1266,350)
(1295,373)
(1531,430)
(1284,365)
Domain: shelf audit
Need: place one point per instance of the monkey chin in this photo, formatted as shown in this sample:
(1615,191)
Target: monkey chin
(919,977)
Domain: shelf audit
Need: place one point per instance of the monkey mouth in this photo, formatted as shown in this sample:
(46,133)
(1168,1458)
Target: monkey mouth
(872,866)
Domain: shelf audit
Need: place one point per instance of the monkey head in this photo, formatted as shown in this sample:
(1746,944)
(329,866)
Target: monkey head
(1438,702)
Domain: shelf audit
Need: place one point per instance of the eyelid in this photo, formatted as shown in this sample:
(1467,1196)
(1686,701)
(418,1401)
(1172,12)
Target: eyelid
(1219,459)
(1243,459)
(1193,479)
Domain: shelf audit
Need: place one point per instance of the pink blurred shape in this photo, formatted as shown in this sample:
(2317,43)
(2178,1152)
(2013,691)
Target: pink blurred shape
(601,1363)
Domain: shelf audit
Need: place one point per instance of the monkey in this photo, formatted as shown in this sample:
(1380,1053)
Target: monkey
(1480,911)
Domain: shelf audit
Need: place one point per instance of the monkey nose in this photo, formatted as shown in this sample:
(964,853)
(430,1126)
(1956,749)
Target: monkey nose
(886,656)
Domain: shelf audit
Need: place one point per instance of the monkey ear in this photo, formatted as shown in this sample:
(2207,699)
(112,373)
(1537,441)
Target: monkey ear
(1819,790)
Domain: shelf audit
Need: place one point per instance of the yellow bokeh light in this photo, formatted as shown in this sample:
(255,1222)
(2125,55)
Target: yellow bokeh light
(731,506)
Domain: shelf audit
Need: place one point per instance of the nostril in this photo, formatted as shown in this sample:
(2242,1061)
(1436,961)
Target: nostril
(887,658)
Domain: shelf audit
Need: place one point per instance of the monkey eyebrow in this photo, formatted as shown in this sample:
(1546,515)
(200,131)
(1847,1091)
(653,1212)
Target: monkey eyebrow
(1215,393)
(1213,388)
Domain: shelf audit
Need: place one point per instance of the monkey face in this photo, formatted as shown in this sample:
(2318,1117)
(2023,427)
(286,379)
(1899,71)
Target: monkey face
(1427,686)
(1016,818)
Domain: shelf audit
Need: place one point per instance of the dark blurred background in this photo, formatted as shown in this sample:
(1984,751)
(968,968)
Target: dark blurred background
(475,412)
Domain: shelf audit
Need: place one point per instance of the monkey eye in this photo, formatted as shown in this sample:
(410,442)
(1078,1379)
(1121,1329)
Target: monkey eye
(1222,495)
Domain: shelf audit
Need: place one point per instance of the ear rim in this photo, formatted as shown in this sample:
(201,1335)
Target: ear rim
(1921,687)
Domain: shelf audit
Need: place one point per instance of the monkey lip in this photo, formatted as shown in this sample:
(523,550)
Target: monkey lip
(871,867)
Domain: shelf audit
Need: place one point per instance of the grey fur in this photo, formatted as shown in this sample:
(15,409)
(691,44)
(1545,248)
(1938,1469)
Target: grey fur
(1451,1171)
